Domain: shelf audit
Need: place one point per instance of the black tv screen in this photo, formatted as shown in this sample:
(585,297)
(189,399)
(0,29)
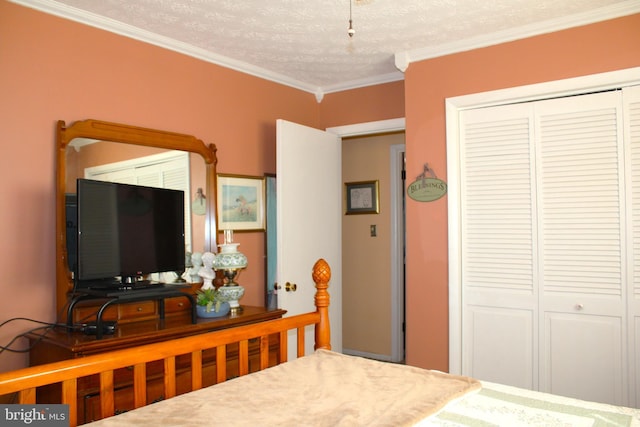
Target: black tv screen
(127,231)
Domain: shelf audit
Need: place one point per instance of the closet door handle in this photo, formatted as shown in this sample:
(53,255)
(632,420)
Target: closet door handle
(579,307)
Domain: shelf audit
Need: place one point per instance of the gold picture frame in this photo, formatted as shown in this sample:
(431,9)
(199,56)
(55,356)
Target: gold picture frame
(362,197)
(241,202)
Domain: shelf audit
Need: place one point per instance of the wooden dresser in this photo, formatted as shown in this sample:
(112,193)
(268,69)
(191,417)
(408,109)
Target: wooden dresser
(58,344)
(142,321)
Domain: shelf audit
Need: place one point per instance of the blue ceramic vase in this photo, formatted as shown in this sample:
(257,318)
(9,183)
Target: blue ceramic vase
(222,311)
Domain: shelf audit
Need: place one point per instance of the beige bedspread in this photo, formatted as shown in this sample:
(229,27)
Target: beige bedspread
(322,389)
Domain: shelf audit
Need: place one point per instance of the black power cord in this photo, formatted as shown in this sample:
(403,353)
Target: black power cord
(83,326)
(47,326)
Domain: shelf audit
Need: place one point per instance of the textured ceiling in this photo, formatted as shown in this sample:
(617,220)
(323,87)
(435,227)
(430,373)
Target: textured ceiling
(304,43)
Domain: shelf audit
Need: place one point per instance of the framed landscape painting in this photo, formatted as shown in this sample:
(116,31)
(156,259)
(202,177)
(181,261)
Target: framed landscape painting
(241,205)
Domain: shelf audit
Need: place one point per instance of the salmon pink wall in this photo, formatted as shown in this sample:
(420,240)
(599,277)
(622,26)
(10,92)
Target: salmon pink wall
(367,104)
(54,69)
(596,48)
(57,69)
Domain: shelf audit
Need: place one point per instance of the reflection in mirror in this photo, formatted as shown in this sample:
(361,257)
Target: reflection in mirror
(148,166)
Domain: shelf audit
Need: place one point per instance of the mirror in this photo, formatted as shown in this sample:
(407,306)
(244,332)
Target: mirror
(149,166)
(90,144)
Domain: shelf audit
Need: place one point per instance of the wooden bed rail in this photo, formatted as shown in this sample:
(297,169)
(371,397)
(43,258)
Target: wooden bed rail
(67,372)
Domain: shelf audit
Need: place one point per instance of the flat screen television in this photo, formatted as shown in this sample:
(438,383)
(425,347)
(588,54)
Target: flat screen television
(125,232)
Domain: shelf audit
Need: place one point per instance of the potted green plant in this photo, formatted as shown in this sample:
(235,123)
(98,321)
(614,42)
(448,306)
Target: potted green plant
(210,303)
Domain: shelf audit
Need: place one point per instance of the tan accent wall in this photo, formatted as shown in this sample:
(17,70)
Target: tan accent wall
(366,267)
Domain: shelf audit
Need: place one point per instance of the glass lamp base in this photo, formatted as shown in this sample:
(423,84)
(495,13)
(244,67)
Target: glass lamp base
(232,294)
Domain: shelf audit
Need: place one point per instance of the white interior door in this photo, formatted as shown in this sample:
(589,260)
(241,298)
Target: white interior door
(309,227)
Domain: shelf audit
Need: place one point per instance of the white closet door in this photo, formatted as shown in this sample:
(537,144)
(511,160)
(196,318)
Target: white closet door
(499,298)
(631,102)
(544,264)
(123,176)
(149,176)
(580,179)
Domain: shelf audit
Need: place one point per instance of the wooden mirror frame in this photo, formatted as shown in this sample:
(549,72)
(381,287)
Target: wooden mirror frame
(115,132)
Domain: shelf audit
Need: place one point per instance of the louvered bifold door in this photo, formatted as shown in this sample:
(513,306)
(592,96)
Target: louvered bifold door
(499,328)
(581,214)
(631,102)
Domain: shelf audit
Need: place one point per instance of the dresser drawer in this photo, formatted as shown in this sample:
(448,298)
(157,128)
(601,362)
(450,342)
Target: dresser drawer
(120,312)
(136,310)
(88,313)
(177,305)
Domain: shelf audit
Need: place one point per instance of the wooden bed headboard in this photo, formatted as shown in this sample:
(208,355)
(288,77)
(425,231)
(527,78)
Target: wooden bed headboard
(24,382)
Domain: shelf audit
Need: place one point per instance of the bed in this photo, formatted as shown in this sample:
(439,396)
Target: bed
(324,388)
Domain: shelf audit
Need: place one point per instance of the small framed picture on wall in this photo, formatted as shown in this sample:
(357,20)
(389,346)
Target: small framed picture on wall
(361,197)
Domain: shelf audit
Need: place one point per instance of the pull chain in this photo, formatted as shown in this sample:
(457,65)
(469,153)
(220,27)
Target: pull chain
(350,31)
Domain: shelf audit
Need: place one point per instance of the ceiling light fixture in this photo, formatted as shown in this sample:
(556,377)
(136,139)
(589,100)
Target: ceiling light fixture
(350,31)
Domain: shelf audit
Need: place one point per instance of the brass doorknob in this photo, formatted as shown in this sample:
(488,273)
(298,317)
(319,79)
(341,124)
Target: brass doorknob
(276,286)
(290,287)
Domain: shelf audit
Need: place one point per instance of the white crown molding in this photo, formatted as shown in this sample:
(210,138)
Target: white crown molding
(404,59)
(83,17)
(354,84)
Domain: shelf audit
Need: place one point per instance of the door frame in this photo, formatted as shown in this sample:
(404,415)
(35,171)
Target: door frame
(453,106)
(397,159)
(397,236)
